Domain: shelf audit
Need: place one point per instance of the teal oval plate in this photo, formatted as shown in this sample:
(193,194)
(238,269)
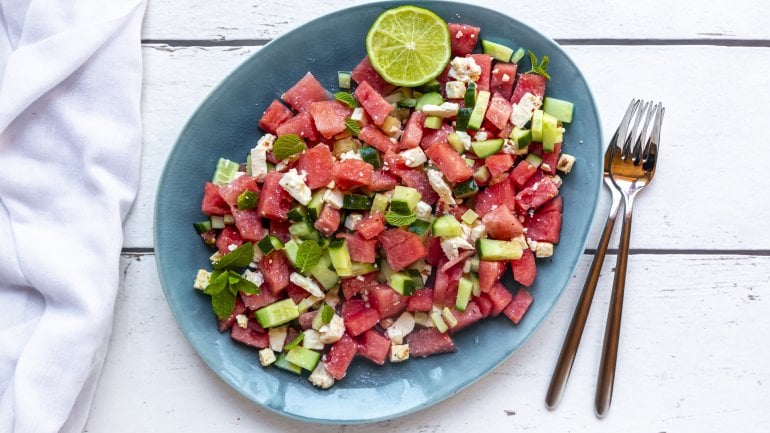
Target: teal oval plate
(225,126)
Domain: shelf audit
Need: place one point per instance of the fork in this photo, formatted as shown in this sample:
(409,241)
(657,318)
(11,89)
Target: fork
(631,170)
(572,340)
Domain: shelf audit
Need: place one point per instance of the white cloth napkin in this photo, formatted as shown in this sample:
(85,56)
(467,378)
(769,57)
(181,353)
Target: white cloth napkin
(70,142)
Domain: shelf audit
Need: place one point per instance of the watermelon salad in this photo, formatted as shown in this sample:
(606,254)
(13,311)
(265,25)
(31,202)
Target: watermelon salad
(378,221)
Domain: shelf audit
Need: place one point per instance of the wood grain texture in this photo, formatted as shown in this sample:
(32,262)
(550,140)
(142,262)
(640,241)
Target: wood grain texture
(712,158)
(692,358)
(255,19)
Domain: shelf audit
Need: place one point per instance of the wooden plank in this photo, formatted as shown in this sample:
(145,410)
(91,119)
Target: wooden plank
(692,357)
(710,168)
(251,19)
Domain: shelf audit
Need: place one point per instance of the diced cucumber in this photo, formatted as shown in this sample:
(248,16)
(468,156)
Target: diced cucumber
(284,364)
(496,250)
(431,86)
(406,282)
(463,117)
(323,272)
(380,203)
(247,200)
(305,358)
(446,226)
(340,257)
(534,160)
(466,189)
(449,318)
(558,108)
(203,226)
(477,116)
(537,126)
(521,137)
(298,213)
(290,248)
(430,98)
(469,217)
(225,172)
(433,122)
(438,321)
(217,222)
(277,313)
(229,219)
(518,55)
(419,227)
(456,142)
(344,79)
(361,268)
(303,230)
(269,243)
(476,290)
(356,202)
(464,290)
(404,199)
(370,156)
(316,204)
(483,149)
(481,175)
(497,51)
(407,103)
(551,132)
(470,95)
(344,145)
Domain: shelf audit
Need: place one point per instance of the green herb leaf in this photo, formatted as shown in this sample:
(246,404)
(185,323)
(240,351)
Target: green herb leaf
(327,312)
(298,339)
(346,98)
(308,256)
(236,258)
(288,145)
(217,283)
(223,304)
(248,200)
(539,68)
(399,220)
(243,285)
(353,126)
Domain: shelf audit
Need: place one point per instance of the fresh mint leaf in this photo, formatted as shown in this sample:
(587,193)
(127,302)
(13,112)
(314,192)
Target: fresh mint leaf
(346,98)
(399,220)
(327,312)
(353,126)
(248,200)
(223,304)
(217,283)
(288,145)
(298,339)
(243,285)
(308,255)
(539,68)
(237,258)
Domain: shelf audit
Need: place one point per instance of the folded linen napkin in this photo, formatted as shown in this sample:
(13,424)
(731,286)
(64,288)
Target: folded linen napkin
(70,142)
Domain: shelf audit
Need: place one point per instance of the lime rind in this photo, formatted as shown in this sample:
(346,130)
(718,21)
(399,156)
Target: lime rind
(408,46)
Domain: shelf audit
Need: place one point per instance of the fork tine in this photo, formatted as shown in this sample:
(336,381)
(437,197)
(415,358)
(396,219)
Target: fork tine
(651,149)
(626,150)
(636,155)
(620,133)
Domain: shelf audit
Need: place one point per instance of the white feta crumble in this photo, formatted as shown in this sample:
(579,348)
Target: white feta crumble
(414,157)
(399,352)
(320,377)
(557,180)
(545,167)
(217,256)
(232,247)
(401,328)
(506,78)
(352,220)
(334,198)
(277,337)
(523,110)
(509,147)
(482,135)
(543,249)
(266,357)
(350,154)
(255,277)
(464,69)
(332,297)
(332,331)
(477,232)
(306,283)
(358,114)
(532,244)
(446,109)
(452,246)
(459,34)
(423,210)
(465,138)
(242,320)
(202,279)
(312,340)
(423,319)
(455,90)
(565,163)
(294,183)
(436,181)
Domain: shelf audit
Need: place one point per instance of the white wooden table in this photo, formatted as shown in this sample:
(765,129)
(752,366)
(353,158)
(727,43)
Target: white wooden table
(694,349)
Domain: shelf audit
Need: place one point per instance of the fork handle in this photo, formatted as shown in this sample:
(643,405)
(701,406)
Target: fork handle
(569,348)
(609,358)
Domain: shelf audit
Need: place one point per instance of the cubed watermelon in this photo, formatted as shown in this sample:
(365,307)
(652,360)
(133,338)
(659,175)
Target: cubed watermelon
(275,114)
(356,323)
(374,104)
(355,285)
(317,162)
(485,62)
(451,164)
(534,196)
(545,224)
(463,37)
(525,269)
(386,301)
(419,181)
(484,303)
(374,137)
(500,297)
(499,111)
(498,163)
(395,163)
(371,226)
(227,237)
(365,72)
(435,253)
(232,190)
(280,229)
(306,319)
(433,136)
(274,201)
(402,248)
(329,220)
(351,173)
(490,273)
(429,341)
(361,250)
(296,293)
(502,224)
(422,300)
(528,83)
(550,159)
(255,302)
(382,181)
(496,195)
(446,282)
(250,337)
(228,322)
(276,269)
(413,131)
(213,203)
(522,172)
(301,125)
(339,357)
(471,315)
(307,90)
(329,117)
(373,346)
(503,77)
(518,306)
(249,224)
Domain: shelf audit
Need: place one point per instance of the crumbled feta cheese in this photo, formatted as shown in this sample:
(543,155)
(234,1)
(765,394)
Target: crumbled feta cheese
(543,249)
(258,164)
(332,297)
(358,114)
(509,147)
(455,90)
(331,184)
(232,247)
(465,138)
(423,319)
(334,198)
(312,340)
(294,183)
(352,220)
(459,34)
(506,78)
(414,157)
(532,244)
(277,337)
(399,352)
(242,320)
(482,135)
(217,256)
(320,377)
(202,279)
(267,357)
(557,180)
(452,246)
(545,167)
(350,154)
(332,331)
(306,283)
(477,232)
(565,163)
(464,69)
(282,165)
(423,210)
(446,109)
(436,181)
(255,277)
(523,110)
(401,328)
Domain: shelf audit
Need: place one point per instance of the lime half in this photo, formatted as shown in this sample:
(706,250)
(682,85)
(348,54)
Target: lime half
(408,46)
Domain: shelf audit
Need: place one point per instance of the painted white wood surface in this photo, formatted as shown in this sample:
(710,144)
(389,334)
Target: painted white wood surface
(693,357)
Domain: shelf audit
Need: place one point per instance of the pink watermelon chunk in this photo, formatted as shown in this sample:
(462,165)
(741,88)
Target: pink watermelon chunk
(373,346)
(522,172)
(374,104)
(451,164)
(463,37)
(227,237)
(528,83)
(274,201)
(489,274)
(371,226)
(518,306)
(545,224)
(502,79)
(499,111)
(534,196)
(280,229)
(498,164)
(227,323)
(447,280)
(413,131)
(275,114)
(232,190)
(365,72)
(502,224)
(525,269)
(249,224)
(433,136)
(429,341)
(307,90)
(254,302)
(250,337)
(485,62)
(471,315)
(359,321)
(382,181)
(329,117)
(361,250)
(372,136)
(422,300)
(386,301)
(402,248)
(317,162)
(329,220)
(419,181)
(339,357)
(213,203)
(501,193)
(500,297)
(395,163)
(550,159)
(353,286)
(352,173)
(301,125)
(276,269)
